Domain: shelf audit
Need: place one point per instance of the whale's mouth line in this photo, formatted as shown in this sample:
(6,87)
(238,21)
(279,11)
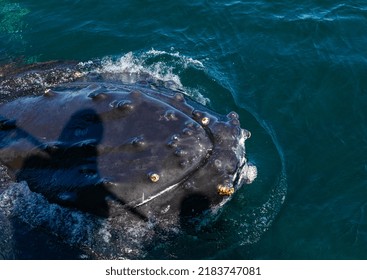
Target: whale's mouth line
(145,201)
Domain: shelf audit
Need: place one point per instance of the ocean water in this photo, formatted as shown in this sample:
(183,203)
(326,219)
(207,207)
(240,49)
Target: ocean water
(295,72)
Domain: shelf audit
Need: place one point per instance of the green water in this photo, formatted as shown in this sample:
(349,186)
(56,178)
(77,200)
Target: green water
(296,74)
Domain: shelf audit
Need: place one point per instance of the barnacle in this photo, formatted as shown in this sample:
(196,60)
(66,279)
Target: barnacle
(154,177)
(224,190)
(205,121)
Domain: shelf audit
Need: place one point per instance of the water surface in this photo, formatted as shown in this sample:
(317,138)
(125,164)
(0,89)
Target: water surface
(293,70)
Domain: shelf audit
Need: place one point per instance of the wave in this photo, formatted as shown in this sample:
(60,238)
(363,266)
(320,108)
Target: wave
(159,65)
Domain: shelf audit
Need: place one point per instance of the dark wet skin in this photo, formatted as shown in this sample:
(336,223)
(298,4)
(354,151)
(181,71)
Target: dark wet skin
(83,144)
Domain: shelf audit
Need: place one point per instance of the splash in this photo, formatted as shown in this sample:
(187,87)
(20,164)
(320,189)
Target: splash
(166,67)
(155,66)
(184,60)
(99,238)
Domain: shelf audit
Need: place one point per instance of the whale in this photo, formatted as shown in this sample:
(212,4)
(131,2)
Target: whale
(96,144)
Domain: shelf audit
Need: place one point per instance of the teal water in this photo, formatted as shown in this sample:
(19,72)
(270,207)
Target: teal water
(296,74)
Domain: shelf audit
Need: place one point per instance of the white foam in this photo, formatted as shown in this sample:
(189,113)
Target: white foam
(116,237)
(136,66)
(197,96)
(133,67)
(106,238)
(186,61)
(251,173)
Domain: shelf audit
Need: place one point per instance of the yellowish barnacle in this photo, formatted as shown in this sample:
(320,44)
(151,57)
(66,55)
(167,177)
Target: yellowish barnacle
(224,190)
(154,177)
(205,121)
